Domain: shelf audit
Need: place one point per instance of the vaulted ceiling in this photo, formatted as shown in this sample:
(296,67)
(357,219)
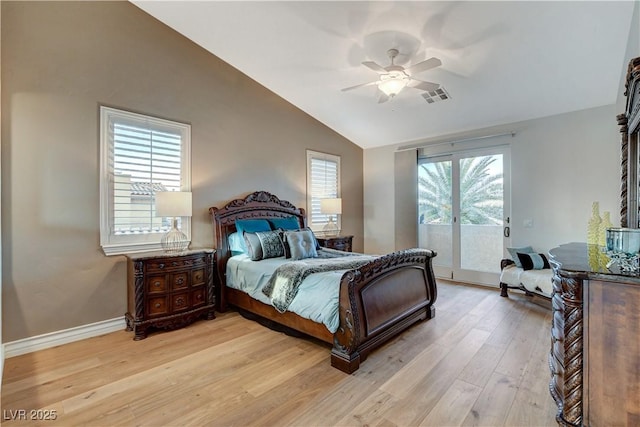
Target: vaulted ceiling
(502,61)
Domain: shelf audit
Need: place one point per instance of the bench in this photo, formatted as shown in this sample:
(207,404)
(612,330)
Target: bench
(532,282)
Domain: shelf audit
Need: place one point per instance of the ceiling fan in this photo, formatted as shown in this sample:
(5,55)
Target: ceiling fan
(394,78)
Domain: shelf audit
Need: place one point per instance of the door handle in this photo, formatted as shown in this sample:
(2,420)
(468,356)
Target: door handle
(507,231)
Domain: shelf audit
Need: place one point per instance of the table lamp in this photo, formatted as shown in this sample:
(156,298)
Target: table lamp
(331,207)
(174,204)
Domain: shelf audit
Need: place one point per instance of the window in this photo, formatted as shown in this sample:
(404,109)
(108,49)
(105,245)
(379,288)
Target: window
(139,155)
(323,181)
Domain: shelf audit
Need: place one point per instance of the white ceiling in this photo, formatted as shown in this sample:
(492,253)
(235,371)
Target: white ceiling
(502,61)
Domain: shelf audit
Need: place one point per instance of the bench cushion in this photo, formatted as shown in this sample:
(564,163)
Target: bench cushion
(538,281)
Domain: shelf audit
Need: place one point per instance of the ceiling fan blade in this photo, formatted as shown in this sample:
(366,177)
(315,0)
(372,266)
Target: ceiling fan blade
(375,67)
(360,85)
(423,66)
(383,98)
(422,85)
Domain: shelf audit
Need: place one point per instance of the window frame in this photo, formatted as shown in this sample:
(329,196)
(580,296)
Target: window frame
(317,226)
(116,244)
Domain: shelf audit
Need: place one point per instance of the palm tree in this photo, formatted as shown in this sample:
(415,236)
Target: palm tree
(481,192)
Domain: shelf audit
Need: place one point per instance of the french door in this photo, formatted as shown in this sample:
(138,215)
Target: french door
(463,213)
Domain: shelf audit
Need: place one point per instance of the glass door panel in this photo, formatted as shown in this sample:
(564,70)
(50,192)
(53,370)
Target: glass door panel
(435,213)
(481,213)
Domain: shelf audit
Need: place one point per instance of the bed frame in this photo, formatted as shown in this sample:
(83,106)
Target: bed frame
(377,301)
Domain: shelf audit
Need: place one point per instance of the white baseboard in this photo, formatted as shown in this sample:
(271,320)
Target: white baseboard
(52,339)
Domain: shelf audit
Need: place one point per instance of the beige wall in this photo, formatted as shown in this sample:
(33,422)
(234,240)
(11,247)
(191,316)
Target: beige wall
(60,60)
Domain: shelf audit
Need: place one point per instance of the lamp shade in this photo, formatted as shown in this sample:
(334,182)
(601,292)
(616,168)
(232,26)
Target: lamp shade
(331,206)
(173,203)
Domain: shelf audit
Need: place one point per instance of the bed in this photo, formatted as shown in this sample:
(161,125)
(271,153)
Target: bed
(374,302)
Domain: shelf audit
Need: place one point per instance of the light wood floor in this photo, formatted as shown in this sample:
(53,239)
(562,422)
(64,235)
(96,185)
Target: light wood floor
(481,361)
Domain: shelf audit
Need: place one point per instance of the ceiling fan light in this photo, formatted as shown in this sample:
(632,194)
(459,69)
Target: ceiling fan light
(392,85)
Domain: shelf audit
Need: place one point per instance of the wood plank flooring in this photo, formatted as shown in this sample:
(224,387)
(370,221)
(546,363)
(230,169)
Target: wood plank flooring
(481,361)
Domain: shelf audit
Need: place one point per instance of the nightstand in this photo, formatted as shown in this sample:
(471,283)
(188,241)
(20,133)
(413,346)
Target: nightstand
(169,291)
(341,243)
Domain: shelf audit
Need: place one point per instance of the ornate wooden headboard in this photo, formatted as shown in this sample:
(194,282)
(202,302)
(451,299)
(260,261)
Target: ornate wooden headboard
(630,128)
(257,205)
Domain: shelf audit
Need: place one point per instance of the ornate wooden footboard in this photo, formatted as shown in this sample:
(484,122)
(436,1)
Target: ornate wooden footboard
(377,301)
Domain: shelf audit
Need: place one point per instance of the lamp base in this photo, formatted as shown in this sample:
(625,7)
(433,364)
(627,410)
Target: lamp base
(330,229)
(175,240)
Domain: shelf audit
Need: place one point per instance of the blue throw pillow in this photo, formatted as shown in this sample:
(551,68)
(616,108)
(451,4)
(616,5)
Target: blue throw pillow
(288,223)
(250,226)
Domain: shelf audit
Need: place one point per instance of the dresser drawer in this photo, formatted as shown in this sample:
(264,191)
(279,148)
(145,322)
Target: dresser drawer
(180,301)
(156,284)
(198,277)
(155,266)
(198,297)
(179,281)
(157,306)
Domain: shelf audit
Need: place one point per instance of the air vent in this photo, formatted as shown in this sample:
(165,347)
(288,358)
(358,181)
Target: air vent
(439,94)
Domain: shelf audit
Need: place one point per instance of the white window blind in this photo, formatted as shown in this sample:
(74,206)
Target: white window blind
(141,156)
(323,181)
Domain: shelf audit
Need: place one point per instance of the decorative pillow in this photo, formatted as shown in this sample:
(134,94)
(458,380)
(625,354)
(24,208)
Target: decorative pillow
(288,223)
(314,238)
(237,245)
(532,261)
(263,245)
(250,226)
(523,250)
(271,243)
(302,244)
(285,244)
(254,248)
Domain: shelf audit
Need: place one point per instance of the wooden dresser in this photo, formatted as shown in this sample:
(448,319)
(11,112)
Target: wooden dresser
(169,291)
(595,339)
(341,243)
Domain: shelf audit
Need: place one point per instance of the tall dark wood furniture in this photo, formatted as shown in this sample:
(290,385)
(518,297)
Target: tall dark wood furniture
(629,123)
(341,243)
(169,291)
(595,340)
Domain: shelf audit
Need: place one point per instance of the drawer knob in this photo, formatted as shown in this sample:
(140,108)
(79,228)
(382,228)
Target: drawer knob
(180,280)
(180,301)
(161,265)
(199,297)
(156,284)
(157,305)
